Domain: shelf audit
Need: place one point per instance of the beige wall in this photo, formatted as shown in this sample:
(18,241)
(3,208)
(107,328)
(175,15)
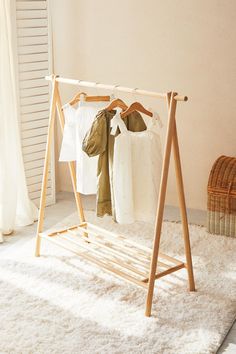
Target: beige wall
(186,46)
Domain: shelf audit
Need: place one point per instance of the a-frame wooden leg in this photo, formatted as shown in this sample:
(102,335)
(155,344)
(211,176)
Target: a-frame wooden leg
(161,204)
(51,124)
(183,210)
(71,164)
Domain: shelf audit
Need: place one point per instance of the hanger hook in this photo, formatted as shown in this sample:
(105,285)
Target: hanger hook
(134,92)
(78,83)
(96,87)
(113,94)
(83,94)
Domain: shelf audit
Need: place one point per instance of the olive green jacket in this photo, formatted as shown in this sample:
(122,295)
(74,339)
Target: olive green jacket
(99,141)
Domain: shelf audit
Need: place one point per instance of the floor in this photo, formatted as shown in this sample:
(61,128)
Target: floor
(65,206)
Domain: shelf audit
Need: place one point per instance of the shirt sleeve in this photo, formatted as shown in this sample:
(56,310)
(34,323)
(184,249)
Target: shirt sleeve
(95,140)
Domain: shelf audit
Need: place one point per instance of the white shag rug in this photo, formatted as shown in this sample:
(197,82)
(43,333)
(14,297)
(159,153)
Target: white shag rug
(59,304)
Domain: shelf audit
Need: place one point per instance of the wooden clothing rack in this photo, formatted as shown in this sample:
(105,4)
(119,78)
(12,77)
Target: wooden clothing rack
(133,262)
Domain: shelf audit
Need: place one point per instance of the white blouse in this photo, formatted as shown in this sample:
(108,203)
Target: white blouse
(77,122)
(136,171)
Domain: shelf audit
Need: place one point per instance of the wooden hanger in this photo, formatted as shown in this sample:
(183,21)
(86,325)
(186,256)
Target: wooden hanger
(136,106)
(116,103)
(87,98)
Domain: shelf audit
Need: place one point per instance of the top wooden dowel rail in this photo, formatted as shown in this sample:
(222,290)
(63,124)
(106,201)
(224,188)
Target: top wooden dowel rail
(113,88)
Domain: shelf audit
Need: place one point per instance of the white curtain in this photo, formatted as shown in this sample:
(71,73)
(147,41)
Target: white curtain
(15,207)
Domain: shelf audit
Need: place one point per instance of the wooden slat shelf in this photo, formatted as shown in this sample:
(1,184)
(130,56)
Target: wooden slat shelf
(113,252)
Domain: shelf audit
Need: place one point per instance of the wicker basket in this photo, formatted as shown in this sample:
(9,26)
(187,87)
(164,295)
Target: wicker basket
(221,204)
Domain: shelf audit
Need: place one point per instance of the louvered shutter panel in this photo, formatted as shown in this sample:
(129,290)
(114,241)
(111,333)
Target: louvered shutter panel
(34,53)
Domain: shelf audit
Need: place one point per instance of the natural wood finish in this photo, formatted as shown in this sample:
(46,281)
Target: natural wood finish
(161,203)
(135,252)
(120,237)
(46,166)
(142,248)
(108,248)
(169,271)
(124,260)
(121,243)
(82,83)
(80,242)
(136,106)
(71,163)
(97,262)
(87,98)
(117,243)
(116,103)
(183,210)
(66,229)
(166,272)
(77,98)
(113,252)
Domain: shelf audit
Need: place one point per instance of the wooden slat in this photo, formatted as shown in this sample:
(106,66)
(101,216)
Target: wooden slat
(26,101)
(98,262)
(65,229)
(108,248)
(35,140)
(36,179)
(34,124)
(166,272)
(170,270)
(33,49)
(32,83)
(23,14)
(32,23)
(34,132)
(37,74)
(34,108)
(34,172)
(38,65)
(34,164)
(34,148)
(31,5)
(121,237)
(106,257)
(32,58)
(132,243)
(24,41)
(35,116)
(34,91)
(29,32)
(34,156)
(121,245)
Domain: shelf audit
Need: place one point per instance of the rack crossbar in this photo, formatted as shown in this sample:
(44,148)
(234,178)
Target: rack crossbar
(98,85)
